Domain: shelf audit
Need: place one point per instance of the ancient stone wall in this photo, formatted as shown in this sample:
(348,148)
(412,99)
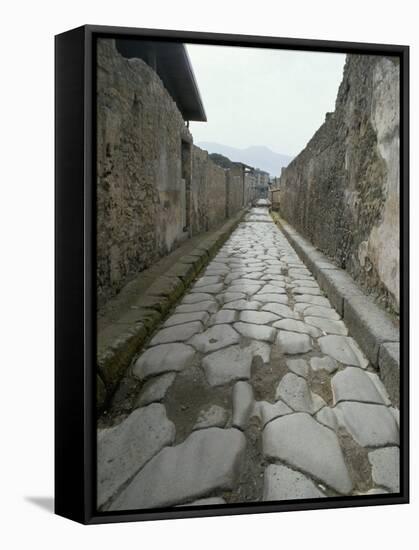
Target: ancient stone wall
(342,191)
(235,189)
(154,187)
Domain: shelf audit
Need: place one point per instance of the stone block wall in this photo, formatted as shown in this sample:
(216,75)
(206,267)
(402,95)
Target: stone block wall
(342,191)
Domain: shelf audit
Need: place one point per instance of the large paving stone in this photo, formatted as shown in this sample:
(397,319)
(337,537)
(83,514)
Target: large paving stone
(266,411)
(226,297)
(214,338)
(161,359)
(182,318)
(292,343)
(258,317)
(299,367)
(297,326)
(323,363)
(243,403)
(370,425)
(206,462)
(314,300)
(215,416)
(328,326)
(177,333)
(256,332)
(386,468)
(282,483)
(207,305)
(324,312)
(294,391)
(125,448)
(207,280)
(155,389)
(306,445)
(271,298)
(224,316)
(272,289)
(353,384)
(241,305)
(228,364)
(343,349)
(245,288)
(281,310)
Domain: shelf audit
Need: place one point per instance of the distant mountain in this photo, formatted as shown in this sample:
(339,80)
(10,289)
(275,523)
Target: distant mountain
(256,156)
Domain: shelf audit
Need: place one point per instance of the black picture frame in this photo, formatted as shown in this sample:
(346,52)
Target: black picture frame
(75,304)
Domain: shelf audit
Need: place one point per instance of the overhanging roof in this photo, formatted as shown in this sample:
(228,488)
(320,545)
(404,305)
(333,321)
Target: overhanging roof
(171,62)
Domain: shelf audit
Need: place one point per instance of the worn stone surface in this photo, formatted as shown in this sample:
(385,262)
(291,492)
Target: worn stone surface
(266,411)
(257,317)
(216,337)
(182,318)
(257,332)
(222,317)
(325,312)
(297,326)
(161,359)
(228,364)
(294,391)
(177,333)
(207,461)
(243,403)
(323,363)
(208,306)
(343,349)
(303,443)
(292,343)
(328,326)
(155,389)
(215,416)
(299,367)
(386,468)
(213,377)
(353,384)
(370,425)
(281,310)
(125,448)
(282,483)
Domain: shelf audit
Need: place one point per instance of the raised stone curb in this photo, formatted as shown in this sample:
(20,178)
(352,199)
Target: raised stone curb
(370,326)
(119,342)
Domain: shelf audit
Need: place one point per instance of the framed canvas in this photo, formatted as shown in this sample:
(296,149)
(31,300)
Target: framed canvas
(231,274)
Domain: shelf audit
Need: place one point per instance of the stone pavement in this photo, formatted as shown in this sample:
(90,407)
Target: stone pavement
(252,390)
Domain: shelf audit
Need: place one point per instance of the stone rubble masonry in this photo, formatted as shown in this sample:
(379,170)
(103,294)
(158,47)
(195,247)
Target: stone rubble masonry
(342,190)
(155,189)
(372,328)
(120,340)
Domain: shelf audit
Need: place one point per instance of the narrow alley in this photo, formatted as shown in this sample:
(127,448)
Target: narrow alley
(252,390)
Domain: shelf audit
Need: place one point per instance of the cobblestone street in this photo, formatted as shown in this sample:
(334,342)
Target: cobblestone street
(252,390)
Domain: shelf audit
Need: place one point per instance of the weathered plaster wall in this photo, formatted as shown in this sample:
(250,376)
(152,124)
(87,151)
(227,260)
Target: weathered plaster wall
(342,190)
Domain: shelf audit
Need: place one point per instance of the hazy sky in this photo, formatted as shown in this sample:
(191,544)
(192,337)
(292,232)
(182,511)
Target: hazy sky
(276,98)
